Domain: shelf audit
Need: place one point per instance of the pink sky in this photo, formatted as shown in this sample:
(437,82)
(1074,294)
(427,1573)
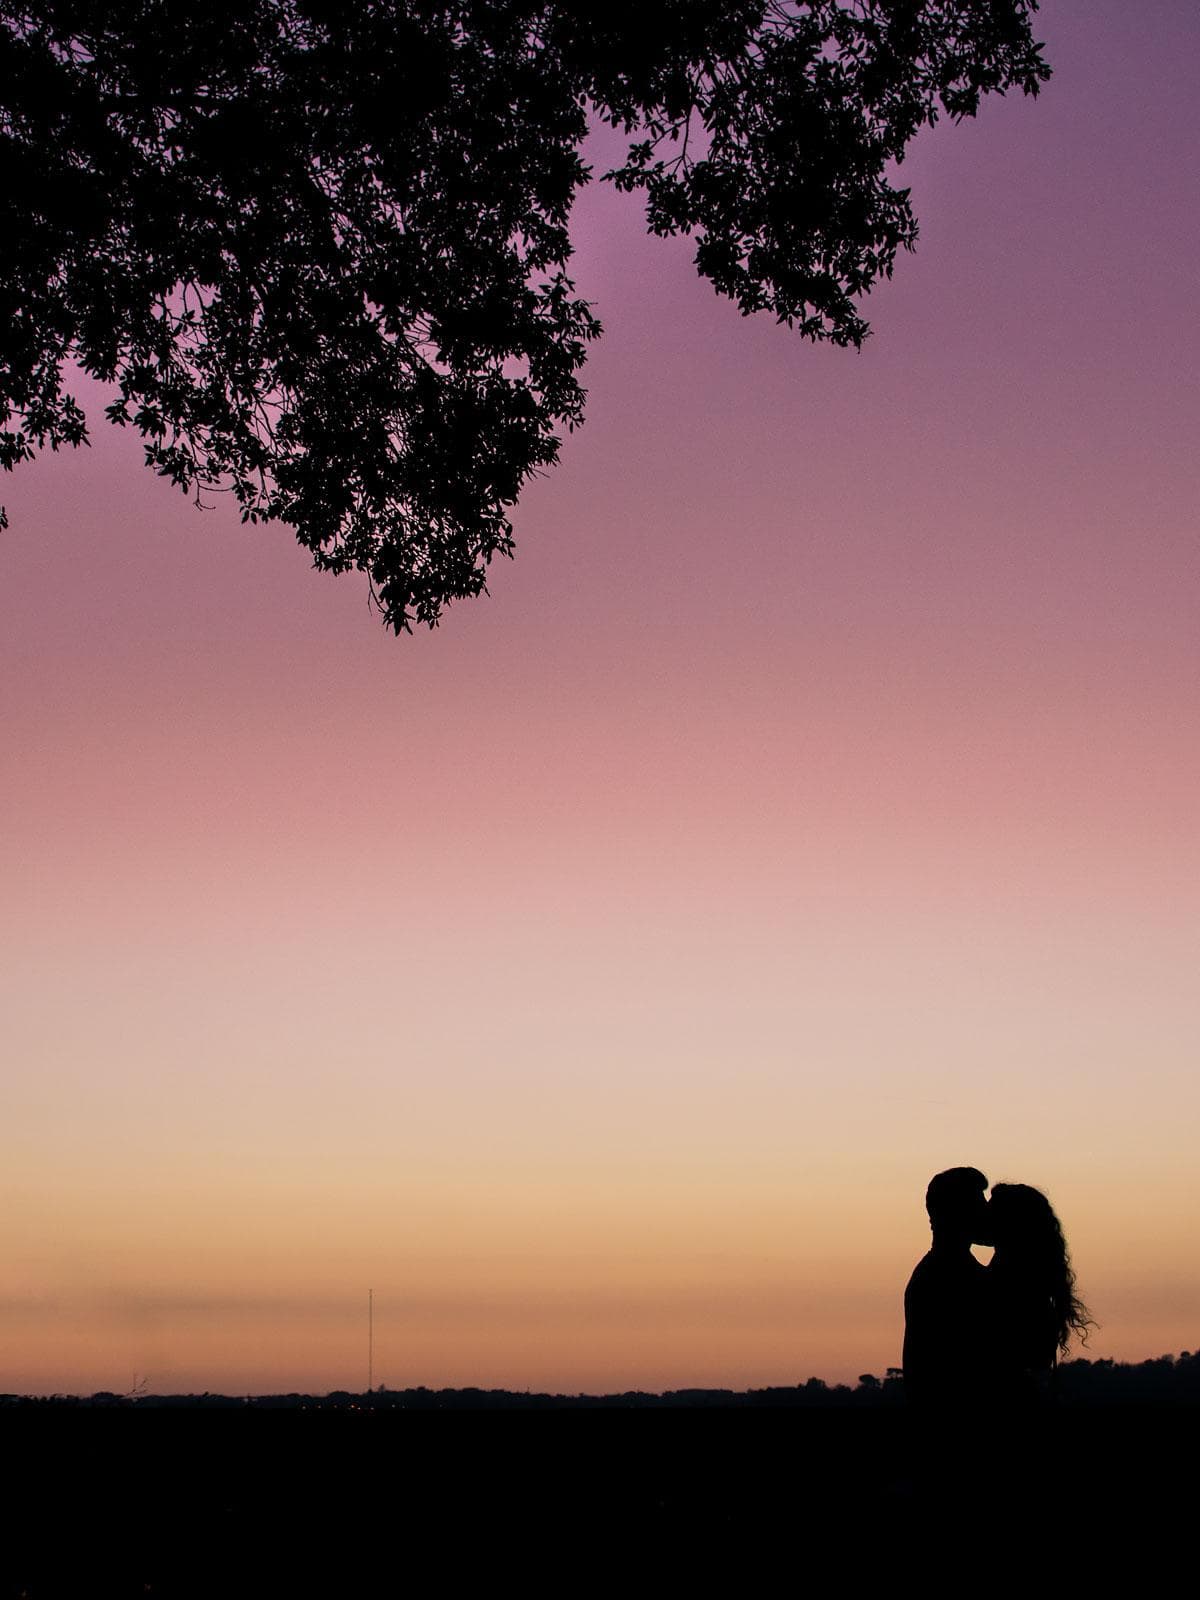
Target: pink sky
(600,978)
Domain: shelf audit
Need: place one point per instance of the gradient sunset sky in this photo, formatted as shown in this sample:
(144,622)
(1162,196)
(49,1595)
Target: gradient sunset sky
(811,805)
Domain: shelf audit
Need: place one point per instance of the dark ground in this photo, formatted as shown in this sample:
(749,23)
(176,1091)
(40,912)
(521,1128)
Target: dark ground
(753,1501)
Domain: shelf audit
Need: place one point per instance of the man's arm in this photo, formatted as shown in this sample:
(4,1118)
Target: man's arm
(918,1358)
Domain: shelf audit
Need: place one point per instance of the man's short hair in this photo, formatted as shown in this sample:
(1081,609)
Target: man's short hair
(951,1191)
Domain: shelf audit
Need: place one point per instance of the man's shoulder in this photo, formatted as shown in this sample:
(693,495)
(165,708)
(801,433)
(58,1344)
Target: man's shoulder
(934,1269)
(925,1271)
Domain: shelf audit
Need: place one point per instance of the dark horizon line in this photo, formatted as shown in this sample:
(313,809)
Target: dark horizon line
(1168,1376)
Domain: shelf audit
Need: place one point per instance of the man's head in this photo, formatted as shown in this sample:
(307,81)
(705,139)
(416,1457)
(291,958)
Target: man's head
(957,1206)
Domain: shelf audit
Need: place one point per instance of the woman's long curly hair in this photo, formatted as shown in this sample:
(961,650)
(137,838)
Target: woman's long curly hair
(1029,1238)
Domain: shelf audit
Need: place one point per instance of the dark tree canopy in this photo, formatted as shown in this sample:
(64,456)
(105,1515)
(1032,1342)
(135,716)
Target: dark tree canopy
(319,247)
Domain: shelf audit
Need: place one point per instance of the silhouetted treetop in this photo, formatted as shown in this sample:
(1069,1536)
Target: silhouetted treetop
(320,249)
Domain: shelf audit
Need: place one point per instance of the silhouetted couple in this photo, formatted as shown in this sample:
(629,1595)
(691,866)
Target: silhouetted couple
(976,1335)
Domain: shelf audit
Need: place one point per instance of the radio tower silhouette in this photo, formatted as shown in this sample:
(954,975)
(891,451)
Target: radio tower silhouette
(370,1341)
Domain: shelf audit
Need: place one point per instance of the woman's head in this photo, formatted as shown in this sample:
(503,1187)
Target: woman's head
(1023,1220)
(1029,1238)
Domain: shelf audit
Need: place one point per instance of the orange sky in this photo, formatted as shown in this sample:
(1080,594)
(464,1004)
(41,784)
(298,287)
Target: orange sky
(600,979)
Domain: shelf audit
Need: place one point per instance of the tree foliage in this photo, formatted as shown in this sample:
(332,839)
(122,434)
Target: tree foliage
(319,248)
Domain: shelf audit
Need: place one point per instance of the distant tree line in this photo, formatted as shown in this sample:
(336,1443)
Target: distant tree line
(1164,1380)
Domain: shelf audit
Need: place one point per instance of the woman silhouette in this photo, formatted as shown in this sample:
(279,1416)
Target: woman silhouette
(1034,1306)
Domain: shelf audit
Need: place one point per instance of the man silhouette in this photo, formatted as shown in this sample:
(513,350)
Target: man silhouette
(945,1313)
